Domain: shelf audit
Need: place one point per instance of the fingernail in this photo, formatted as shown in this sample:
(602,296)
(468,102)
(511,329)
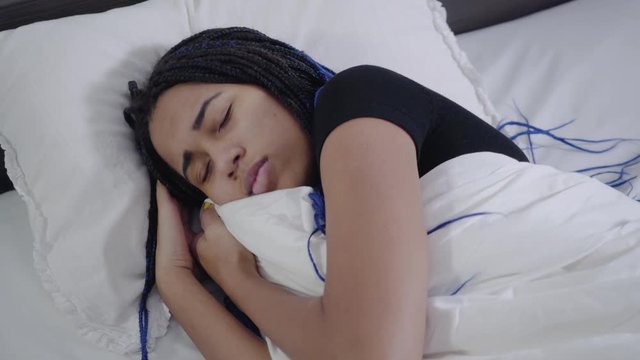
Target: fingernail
(207,204)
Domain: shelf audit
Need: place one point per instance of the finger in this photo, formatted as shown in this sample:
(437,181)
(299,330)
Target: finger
(161,190)
(203,253)
(169,218)
(163,197)
(159,186)
(209,216)
(187,217)
(194,244)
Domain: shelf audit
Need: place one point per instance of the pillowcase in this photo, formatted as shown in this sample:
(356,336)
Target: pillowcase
(581,65)
(72,158)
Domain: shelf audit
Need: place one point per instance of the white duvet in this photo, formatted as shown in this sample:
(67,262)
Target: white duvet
(550,269)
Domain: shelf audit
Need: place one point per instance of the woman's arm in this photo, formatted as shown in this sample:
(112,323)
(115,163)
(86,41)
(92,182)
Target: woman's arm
(216,333)
(374,304)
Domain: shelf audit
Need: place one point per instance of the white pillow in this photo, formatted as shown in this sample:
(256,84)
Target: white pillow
(71,155)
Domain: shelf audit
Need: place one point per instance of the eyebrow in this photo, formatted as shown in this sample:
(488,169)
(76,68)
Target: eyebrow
(203,109)
(197,122)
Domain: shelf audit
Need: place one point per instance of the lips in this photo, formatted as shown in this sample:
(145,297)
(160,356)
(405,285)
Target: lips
(250,178)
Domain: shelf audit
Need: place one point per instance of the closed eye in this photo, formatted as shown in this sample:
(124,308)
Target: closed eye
(207,172)
(227,116)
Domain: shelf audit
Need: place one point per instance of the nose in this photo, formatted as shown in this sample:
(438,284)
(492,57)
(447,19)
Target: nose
(227,159)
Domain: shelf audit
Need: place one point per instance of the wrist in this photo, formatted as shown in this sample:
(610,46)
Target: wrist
(167,278)
(236,277)
(231,271)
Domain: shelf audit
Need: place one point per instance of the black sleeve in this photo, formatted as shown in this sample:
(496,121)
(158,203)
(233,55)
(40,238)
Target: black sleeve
(5,183)
(440,128)
(371,91)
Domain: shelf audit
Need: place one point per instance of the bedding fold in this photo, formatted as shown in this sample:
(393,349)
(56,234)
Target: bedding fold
(547,266)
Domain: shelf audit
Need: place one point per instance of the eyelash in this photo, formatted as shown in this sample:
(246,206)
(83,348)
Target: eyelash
(227,116)
(206,172)
(207,169)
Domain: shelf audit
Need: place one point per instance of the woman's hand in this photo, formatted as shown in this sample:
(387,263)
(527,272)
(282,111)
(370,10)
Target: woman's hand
(218,251)
(173,237)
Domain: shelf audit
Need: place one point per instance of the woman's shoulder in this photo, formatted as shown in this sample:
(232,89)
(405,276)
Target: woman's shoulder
(361,77)
(367,91)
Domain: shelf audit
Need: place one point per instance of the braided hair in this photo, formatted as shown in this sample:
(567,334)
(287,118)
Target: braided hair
(224,55)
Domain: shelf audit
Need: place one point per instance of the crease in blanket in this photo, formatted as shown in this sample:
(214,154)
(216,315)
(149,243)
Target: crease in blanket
(550,264)
(317,203)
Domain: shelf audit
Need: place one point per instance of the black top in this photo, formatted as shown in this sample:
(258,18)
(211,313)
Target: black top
(440,128)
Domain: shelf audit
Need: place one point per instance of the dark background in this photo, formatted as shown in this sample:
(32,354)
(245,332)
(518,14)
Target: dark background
(462,16)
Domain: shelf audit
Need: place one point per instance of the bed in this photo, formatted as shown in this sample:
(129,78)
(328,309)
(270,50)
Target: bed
(564,100)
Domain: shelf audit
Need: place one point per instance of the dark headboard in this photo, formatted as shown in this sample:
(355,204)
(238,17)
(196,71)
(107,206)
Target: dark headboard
(14,13)
(462,15)
(469,15)
(5,183)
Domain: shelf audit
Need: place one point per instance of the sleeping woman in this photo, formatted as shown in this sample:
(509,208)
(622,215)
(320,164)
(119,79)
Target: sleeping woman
(231,113)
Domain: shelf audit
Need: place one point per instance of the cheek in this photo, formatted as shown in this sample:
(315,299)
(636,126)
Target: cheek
(214,193)
(222,191)
(298,151)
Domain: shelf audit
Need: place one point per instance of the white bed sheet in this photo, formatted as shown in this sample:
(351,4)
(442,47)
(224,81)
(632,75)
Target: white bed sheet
(32,328)
(576,61)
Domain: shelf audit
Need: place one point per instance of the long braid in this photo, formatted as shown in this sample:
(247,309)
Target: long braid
(150,275)
(227,55)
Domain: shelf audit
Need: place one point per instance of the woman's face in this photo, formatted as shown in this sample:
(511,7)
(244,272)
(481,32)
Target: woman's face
(218,135)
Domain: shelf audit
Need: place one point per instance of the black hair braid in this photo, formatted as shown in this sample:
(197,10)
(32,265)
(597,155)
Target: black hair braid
(225,55)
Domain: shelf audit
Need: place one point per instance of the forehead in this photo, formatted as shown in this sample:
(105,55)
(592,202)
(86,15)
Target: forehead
(170,126)
(178,98)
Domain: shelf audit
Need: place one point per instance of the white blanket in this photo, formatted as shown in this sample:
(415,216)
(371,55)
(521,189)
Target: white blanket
(551,270)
